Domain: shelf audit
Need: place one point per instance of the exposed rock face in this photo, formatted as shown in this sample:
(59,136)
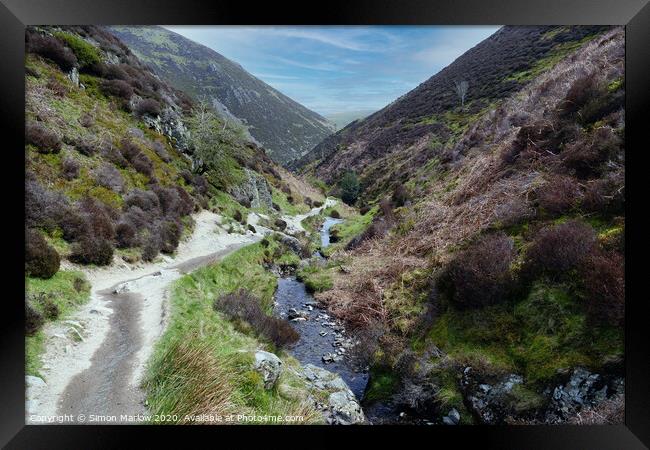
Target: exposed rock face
(582,389)
(489,402)
(342,407)
(74,76)
(493,403)
(269,366)
(254,191)
(170,124)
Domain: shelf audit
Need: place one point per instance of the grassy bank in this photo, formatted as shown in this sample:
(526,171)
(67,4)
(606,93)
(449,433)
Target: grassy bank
(203,363)
(52,299)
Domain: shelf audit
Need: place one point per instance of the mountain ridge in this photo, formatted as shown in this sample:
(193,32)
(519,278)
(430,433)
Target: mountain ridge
(283,126)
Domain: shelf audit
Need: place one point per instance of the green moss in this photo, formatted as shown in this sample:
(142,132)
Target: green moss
(539,335)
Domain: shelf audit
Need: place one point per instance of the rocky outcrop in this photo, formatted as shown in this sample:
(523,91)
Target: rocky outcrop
(583,389)
(253,192)
(170,124)
(497,402)
(341,407)
(269,366)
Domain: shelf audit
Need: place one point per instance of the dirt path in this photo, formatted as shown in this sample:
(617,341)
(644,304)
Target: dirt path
(93,362)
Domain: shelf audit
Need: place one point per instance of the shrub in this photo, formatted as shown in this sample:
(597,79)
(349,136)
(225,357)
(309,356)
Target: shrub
(245,307)
(145,200)
(559,194)
(170,235)
(85,147)
(142,164)
(400,195)
(606,196)
(281,224)
(41,259)
(558,250)
(43,207)
(70,168)
(580,92)
(335,214)
(317,204)
(109,177)
(114,156)
(308,201)
(52,49)
(117,88)
(33,319)
(603,278)
(92,250)
(480,275)
(174,201)
(50,309)
(364,210)
(43,139)
(86,53)
(151,246)
(126,235)
(252,228)
(86,120)
(147,106)
(162,153)
(98,217)
(73,225)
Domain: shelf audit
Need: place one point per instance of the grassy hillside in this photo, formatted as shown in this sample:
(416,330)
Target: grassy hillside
(116,162)
(502,249)
(282,126)
(391,144)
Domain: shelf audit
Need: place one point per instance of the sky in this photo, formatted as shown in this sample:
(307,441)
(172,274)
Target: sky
(333,69)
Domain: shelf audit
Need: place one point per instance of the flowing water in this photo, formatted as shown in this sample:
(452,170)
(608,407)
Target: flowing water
(323,340)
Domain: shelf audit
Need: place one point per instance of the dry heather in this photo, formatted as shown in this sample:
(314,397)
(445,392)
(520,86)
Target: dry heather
(490,190)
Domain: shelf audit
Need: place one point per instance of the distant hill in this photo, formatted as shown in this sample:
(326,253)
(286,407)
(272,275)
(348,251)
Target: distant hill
(342,119)
(284,127)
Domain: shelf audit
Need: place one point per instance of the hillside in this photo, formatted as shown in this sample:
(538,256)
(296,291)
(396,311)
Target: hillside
(391,143)
(485,269)
(284,127)
(117,164)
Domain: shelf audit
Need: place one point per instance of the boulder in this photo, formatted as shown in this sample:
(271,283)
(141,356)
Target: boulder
(269,366)
(344,409)
(253,191)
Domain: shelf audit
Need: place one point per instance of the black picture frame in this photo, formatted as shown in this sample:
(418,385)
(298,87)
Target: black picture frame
(634,14)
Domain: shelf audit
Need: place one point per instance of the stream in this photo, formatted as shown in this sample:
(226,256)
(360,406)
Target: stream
(323,340)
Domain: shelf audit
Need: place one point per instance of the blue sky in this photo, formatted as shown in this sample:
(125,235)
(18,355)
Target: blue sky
(340,69)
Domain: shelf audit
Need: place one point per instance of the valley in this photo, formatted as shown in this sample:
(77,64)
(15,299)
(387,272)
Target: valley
(202,249)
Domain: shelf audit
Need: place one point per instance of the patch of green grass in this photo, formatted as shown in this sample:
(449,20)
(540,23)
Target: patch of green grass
(217,376)
(288,208)
(316,278)
(85,52)
(353,225)
(381,385)
(550,60)
(67,290)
